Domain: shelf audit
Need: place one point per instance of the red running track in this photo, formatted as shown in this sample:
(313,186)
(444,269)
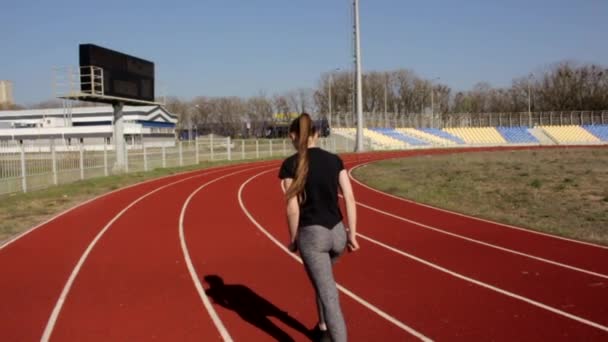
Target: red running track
(199,256)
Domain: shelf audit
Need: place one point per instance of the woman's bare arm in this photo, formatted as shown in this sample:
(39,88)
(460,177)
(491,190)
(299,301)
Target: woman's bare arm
(351,209)
(293,213)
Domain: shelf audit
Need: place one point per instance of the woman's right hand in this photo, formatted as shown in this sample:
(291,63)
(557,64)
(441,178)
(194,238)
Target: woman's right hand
(352,243)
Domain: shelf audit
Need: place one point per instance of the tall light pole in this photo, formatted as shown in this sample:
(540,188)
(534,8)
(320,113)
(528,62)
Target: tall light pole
(386,99)
(359,147)
(196,106)
(432,100)
(331,81)
(529,102)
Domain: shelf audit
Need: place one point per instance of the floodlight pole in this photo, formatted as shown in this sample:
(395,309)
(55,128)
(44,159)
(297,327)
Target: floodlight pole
(359,147)
(432,100)
(529,102)
(331,81)
(119,137)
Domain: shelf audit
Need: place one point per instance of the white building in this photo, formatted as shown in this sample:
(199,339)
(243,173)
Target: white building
(6,92)
(88,125)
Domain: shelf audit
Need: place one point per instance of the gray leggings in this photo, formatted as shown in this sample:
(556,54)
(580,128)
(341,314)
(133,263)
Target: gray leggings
(320,248)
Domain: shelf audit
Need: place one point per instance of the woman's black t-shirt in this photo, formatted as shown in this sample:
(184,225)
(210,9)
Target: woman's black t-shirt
(321,202)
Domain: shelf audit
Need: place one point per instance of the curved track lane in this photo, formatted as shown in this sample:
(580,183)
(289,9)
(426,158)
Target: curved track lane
(265,294)
(569,290)
(198,256)
(40,262)
(573,253)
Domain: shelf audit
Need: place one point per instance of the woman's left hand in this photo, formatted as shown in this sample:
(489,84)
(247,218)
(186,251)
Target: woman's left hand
(292,247)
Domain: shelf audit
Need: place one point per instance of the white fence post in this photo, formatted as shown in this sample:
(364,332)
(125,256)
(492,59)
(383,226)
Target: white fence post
(228,148)
(257,149)
(82,161)
(164,153)
(127,158)
(270,147)
(23,170)
(198,160)
(105,157)
(181,155)
(54,162)
(243,149)
(284,147)
(143,146)
(211,157)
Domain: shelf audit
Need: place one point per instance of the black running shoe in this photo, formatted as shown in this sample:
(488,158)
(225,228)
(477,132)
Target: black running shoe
(319,335)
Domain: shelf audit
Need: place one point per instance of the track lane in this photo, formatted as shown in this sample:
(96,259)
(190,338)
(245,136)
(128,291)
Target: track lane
(570,291)
(494,317)
(135,274)
(581,255)
(39,261)
(38,281)
(258,274)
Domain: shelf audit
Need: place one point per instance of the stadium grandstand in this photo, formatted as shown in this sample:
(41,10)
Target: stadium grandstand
(410,138)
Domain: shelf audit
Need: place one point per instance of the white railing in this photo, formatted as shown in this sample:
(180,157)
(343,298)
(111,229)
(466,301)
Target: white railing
(29,166)
(71,81)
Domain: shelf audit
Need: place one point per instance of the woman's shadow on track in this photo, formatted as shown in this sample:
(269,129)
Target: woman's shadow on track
(252,308)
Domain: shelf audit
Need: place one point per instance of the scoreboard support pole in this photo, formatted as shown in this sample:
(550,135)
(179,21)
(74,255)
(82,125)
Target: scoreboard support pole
(119,138)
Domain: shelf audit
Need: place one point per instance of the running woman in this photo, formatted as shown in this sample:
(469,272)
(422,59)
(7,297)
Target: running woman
(310,180)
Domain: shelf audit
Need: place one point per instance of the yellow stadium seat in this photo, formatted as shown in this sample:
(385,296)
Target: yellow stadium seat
(478,135)
(570,134)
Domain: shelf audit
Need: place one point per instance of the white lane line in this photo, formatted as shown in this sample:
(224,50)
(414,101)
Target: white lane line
(487,286)
(347,292)
(504,249)
(48,330)
(555,263)
(19,236)
(193,274)
(467,216)
(477,282)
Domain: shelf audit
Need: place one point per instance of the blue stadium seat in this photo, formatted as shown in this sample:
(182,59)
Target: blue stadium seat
(517,135)
(401,137)
(443,134)
(600,131)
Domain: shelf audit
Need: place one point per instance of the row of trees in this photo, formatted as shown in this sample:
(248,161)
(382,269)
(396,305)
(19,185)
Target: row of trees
(236,116)
(564,86)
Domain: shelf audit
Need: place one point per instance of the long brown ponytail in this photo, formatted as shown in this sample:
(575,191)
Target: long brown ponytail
(303,129)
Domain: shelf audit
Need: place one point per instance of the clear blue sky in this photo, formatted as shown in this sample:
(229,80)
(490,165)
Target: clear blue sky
(242,47)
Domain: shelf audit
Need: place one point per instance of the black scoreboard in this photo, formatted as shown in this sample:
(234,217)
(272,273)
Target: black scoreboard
(124,76)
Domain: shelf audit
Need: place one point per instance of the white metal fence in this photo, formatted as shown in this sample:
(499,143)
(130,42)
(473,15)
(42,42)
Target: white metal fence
(27,166)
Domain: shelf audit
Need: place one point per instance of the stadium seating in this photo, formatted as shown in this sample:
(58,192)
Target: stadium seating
(478,135)
(403,138)
(517,135)
(345,132)
(428,137)
(599,131)
(442,134)
(377,140)
(410,140)
(384,140)
(571,134)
